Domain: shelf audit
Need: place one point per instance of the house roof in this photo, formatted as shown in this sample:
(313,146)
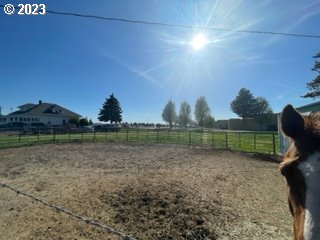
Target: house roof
(28,105)
(44,108)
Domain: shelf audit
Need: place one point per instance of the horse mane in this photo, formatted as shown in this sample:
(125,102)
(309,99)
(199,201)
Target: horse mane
(312,124)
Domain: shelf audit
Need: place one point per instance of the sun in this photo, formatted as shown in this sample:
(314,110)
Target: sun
(199,41)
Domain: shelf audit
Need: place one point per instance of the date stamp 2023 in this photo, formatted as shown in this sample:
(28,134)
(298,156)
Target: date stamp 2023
(25,9)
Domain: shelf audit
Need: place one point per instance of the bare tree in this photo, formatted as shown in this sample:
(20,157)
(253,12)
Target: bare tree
(209,122)
(184,114)
(169,113)
(201,111)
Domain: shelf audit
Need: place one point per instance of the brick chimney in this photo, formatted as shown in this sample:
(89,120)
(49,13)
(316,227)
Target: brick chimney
(40,102)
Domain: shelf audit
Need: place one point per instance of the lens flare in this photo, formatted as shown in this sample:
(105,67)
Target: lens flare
(199,41)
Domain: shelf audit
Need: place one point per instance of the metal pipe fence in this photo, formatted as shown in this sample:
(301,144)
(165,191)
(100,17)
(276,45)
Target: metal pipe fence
(260,142)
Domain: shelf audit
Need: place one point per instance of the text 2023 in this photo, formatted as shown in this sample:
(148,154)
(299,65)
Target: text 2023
(32,9)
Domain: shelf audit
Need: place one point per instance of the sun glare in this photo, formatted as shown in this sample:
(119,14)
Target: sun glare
(199,41)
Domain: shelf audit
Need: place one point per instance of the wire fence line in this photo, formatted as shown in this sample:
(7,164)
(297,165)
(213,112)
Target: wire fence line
(257,142)
(86,220)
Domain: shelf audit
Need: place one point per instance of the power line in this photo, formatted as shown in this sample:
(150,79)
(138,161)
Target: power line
(124,20)
(181,25)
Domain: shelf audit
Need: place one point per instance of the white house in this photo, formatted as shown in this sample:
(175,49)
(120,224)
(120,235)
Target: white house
(47,113)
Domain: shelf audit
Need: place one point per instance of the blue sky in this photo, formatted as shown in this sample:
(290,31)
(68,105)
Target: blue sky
(78,62)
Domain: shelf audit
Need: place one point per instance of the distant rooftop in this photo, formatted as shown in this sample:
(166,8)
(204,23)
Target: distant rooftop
(43,108)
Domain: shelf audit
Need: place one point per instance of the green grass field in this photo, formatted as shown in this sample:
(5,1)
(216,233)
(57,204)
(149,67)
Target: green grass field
(260,142)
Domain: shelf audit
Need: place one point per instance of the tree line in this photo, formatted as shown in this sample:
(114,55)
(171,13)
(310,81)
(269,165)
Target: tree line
(245,105)
(202,114)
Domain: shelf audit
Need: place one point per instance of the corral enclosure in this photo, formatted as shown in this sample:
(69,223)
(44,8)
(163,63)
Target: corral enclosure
(150,191)
(259,142)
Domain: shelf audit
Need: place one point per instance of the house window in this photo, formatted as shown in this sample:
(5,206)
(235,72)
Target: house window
(16,119)
(11,119)
(24,119)
(28,119)
(20,119)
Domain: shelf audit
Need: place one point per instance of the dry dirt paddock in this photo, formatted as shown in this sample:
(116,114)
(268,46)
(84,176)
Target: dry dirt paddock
(147,191)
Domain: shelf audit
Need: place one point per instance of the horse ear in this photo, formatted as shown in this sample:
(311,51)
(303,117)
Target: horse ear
(292,123)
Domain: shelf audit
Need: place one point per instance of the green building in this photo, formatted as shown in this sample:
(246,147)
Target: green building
(312,107)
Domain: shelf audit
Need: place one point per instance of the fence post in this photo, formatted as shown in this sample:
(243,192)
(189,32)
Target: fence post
(127,135)
(157,135)
(138,135)
(19,136)
(212,138)
(274,143)
(226,139)
(53,136)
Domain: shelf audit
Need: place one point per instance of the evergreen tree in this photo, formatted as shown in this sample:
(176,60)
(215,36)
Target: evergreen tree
(111,110)
(243,105)
(314,85)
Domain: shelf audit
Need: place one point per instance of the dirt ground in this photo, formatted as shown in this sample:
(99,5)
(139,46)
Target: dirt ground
(147,191)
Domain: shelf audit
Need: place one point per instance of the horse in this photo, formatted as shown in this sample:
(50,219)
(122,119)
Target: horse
(301,169)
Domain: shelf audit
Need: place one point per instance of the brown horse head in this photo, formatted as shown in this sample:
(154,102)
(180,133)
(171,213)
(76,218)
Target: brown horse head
(301,168)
